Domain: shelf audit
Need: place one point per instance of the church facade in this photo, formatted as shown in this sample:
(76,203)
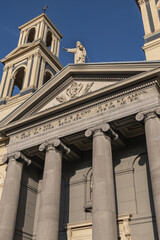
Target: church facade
(79,145)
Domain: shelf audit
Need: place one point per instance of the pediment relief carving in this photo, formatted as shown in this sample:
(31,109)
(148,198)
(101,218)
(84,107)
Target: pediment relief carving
(76,89)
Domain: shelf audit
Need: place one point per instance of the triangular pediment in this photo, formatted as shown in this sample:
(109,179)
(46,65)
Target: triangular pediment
(76,85)
(18,51)
(76,89)
(15,51)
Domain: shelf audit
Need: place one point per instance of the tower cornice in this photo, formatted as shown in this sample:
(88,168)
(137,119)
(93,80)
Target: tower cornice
(21,50)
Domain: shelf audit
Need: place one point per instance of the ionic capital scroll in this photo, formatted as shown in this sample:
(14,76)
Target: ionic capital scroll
(145,116)
(16,156)
(140,2)
(54,144)
(105,128)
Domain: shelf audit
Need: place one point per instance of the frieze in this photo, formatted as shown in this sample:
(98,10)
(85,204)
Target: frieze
(82,114)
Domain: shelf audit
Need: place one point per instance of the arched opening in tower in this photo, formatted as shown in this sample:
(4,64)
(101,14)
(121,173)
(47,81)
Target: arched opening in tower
(47,76)
(18,81)
(31,35)
(49,40)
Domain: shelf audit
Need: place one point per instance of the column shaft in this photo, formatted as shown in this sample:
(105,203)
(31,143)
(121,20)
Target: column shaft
(9,200)
(34,75)
(48,219)
(145,19)
(104,210)
(42,70)
(152,130)
(27,75)
(155,15)
(7,82)
(2,84)
(58,46)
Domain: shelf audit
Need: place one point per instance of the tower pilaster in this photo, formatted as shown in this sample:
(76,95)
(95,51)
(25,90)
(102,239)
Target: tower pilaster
(150,10)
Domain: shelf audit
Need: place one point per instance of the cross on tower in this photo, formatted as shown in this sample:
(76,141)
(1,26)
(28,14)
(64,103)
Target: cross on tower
(44,9)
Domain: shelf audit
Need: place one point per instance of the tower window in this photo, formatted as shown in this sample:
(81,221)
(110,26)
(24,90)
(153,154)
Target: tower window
(31,35)
(49,39)
(18,81)
(47,76)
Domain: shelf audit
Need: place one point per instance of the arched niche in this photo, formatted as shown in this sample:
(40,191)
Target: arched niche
(18,81)
(49,39)
(47,76)
(31,35)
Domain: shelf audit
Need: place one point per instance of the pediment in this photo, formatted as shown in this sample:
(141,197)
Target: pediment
(16,51)
(76,85)
(76,89)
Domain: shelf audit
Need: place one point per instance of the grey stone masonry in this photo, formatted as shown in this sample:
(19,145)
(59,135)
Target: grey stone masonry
(10,195)
(152,132)
(48,218)
(104,209)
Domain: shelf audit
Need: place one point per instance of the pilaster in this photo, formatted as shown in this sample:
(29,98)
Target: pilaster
(41,30)
(7,81)
(42,71)
(34,76)
(155,16)
(45,32)
(145,18)
(27,75)
(2,85)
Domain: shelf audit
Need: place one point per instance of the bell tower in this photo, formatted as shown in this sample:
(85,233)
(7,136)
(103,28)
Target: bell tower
(33,62)
(150,10)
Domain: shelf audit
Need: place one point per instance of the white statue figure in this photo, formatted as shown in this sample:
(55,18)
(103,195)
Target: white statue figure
(79,53)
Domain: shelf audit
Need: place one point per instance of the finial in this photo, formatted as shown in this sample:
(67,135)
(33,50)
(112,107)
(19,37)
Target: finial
(44,9)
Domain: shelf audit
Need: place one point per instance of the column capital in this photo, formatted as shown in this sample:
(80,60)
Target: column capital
(105,128)
(148,115)
(140,2)
(54,144)
(16,156)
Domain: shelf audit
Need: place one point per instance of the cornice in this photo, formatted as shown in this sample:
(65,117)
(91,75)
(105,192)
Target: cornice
(63,76)
(21,50)
(71,106)
(68,71)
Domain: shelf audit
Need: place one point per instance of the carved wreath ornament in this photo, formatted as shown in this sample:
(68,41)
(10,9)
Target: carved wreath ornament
(74,90)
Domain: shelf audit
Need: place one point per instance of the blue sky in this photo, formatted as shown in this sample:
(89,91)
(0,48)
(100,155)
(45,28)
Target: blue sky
(110,30)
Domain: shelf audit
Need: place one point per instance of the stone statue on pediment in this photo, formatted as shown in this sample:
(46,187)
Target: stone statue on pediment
(79,53)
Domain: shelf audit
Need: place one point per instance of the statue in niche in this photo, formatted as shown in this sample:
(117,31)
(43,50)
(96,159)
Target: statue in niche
(79,53)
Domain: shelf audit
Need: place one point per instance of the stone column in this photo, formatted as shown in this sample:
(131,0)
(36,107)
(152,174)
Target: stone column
(10,195)
(48,219)
(152,132)
(155,16)
(103,207)
(145,18)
